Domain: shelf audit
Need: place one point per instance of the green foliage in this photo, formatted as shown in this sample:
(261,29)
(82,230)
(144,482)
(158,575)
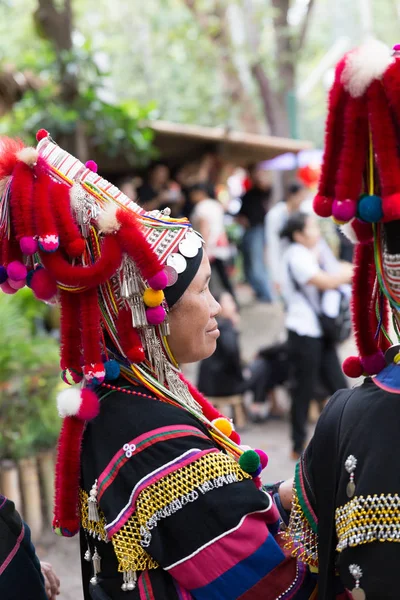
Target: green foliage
(28,378)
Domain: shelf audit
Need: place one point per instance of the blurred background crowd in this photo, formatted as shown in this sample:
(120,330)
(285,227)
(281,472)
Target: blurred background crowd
(214,109)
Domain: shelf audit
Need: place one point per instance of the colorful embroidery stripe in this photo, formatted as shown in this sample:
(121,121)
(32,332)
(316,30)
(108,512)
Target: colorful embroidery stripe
(178,463)
(302,496)
(13,552)
(142,442)
(243,576)
(145,587)
(224,553)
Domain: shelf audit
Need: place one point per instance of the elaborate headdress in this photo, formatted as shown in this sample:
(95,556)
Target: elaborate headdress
(360,189)
(115,271)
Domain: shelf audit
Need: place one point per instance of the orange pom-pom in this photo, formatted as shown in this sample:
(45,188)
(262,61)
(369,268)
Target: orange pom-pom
(223,425)
(153,298)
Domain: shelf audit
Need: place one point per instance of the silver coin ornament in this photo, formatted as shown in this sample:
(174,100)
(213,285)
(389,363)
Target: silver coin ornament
(188,247)
(172,275)
(177,261)
(192,235)
(358,594)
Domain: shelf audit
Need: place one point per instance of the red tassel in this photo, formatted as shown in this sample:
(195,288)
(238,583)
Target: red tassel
(129,338)
(386,151)
(363,282)
(134,243)
(21,200)
(46,227)
(91,336)
(70,236)
(8,151)
(352,159)
(68,466)
(333,144)
(70,339)
(91,276)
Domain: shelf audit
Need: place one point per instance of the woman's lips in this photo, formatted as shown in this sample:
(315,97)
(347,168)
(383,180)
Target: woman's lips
(214,332)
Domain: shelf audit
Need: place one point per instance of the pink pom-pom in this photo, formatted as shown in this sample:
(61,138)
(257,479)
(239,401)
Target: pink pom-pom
(91,165)
(28,245)
(94,373)
(42,133)
(322,206)
(90,405)
(43,285)
(263,457)
(363,231)
(155,315)
(235,437)
(344,210)
(17,285)
(374,364)
(17,271)
(7,289)
(76,248)
(352,367)
(158,281)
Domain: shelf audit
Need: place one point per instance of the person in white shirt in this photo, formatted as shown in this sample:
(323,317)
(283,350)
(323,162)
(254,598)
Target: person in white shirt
(305,277)
(296,198)
(207,218)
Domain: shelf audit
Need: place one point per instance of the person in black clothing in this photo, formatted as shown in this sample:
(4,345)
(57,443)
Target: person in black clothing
(255,205)
(22,575)
(222,374)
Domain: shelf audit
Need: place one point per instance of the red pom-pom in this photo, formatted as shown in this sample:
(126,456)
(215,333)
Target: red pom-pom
(136,354)
(42,133)
(323,206)
(43,285)
(352,367)
(76,248)
(235,437)
(90,406)
(391,207)
(17,271)
(92,166)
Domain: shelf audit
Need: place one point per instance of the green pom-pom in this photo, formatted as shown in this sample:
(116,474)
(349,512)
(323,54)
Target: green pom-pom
(249,461)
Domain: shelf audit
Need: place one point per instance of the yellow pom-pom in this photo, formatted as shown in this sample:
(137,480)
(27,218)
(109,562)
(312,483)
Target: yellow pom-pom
(153,298)
(223,425)
(396,359)
(337,222)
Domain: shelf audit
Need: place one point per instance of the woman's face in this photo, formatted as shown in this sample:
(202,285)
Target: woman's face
(194,330)
(310,235)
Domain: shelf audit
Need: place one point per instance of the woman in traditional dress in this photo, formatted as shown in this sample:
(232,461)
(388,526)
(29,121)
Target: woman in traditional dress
(167,503)
(345,515)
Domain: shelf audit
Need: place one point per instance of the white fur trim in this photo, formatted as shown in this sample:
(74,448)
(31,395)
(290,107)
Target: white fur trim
(349,232)
(69,402)
(364,65)
(107,219)
(28,155)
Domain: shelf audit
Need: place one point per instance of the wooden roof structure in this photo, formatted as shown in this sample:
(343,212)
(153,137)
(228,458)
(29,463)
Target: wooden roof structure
(179,143)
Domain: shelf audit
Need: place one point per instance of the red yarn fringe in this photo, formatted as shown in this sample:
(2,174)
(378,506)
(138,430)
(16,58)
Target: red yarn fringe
(66,513)
(90,326)
(70,339)
(91,276)
(68,230)
(8,150)
(354,151)
(21,200)
(363,282)
(45,219)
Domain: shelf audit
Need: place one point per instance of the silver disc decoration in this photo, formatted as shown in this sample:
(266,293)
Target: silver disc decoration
(188,247)
(172,275)
(177,261)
